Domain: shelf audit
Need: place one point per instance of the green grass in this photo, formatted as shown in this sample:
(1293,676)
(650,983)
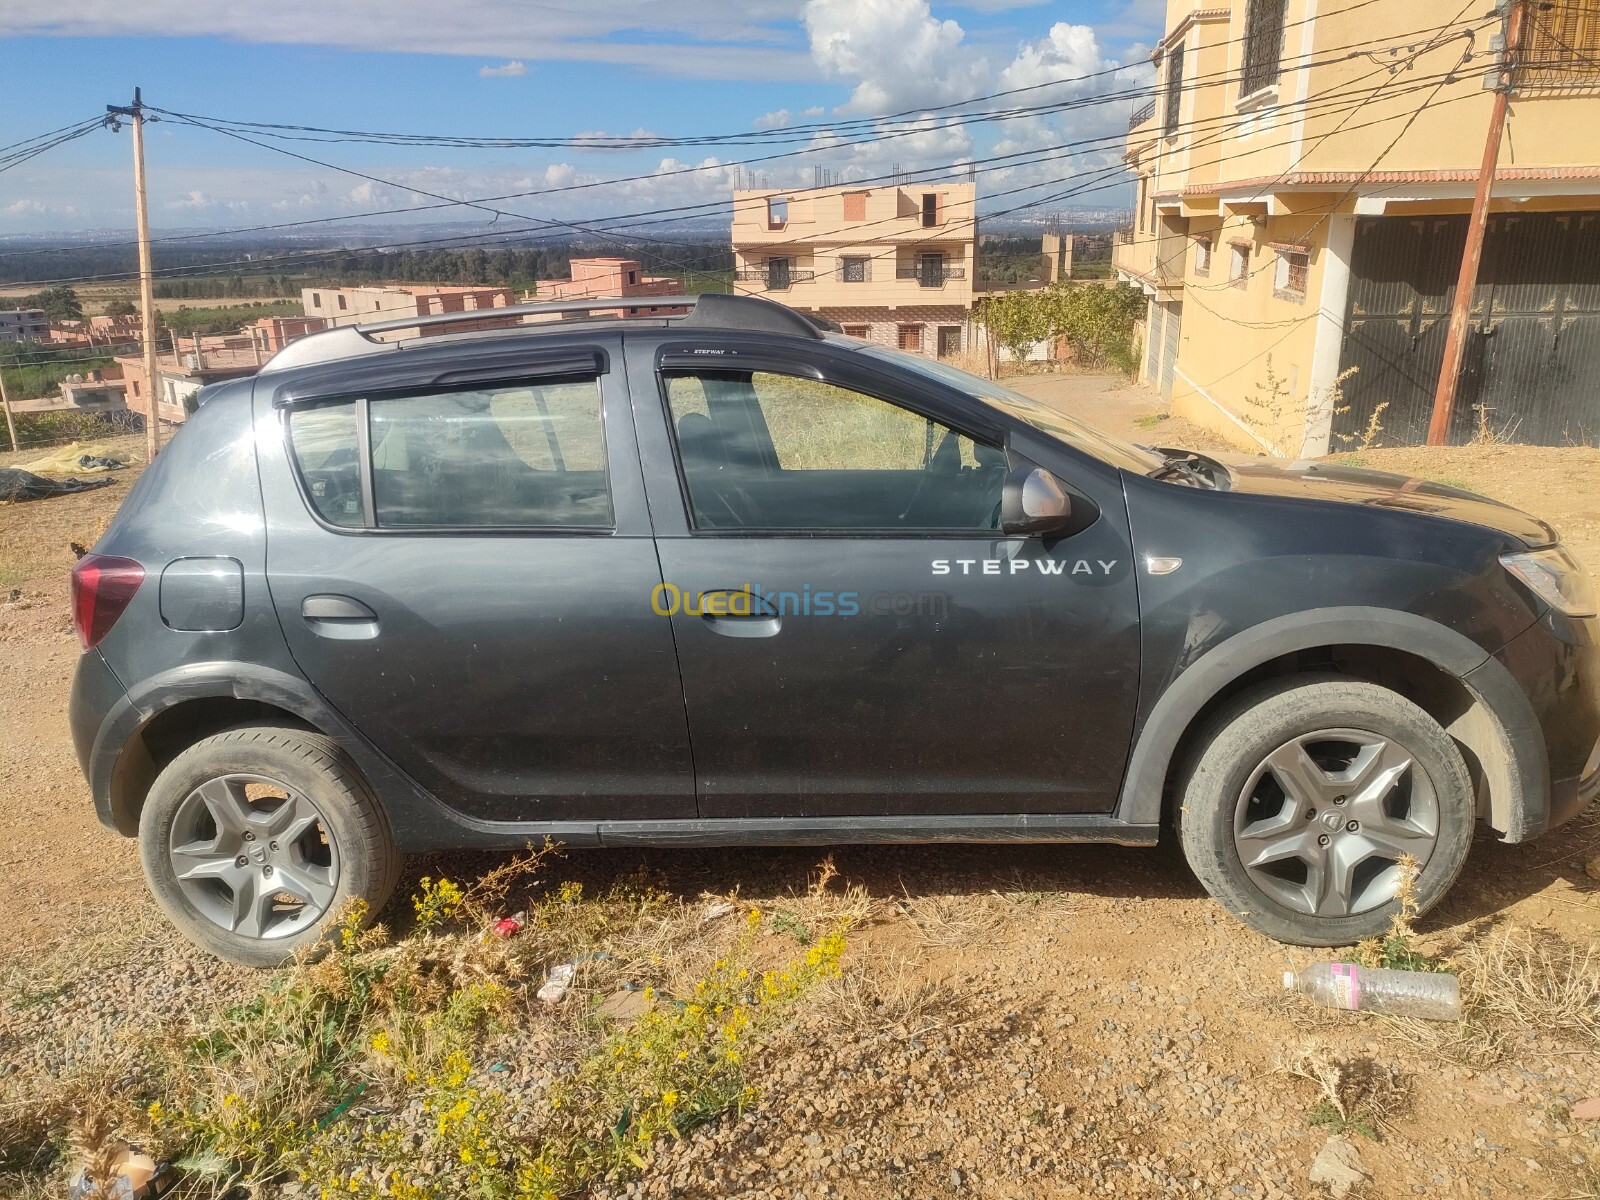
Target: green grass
(1150,420)
(1461,485)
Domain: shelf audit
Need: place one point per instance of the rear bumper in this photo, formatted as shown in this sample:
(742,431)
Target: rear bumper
(102,718)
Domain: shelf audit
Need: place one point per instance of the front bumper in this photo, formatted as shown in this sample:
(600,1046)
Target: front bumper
(1556,663)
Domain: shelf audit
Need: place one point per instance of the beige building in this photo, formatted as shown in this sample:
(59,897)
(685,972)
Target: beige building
(356,305)
(611,277)
(889,264)
(1303,182)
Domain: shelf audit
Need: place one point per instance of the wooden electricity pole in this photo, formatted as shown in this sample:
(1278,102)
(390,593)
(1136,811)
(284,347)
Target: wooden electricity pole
(5,403)
(152,424)
(1444,398)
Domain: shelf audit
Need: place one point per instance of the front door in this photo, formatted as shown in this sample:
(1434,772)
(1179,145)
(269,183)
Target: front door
(855,633)
(464,574)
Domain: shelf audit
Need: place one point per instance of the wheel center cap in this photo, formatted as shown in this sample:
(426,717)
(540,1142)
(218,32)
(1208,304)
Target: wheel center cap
(1332,821)
(258,855)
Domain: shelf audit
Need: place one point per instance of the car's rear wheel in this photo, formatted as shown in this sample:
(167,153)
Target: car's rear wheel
(1303,798)
(256,840)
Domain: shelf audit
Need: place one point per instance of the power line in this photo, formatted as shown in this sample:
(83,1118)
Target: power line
(685,212)
(1310,61)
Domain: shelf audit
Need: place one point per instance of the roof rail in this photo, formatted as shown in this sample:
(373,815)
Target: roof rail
(707,311)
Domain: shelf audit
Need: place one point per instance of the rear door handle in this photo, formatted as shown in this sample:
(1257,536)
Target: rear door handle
(339,617)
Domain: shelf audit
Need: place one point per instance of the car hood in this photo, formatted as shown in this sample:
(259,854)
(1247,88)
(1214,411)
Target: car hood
(1309,479)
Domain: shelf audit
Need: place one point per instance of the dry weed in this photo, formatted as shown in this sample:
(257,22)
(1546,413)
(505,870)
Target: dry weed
(1518,978)
(892,998)
(948,920)
(1359,1094)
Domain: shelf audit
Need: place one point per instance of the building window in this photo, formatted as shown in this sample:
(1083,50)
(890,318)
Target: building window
(855,268)
(949,340)
(316,299)
(1560,45)
(777,212)
(864,332)
(1293,272)
(930,210)
(1263,45)
(1239,264)
(1174,89)
(1144,192)
(1202,256)
(341,304)
(855,206)
(633,277)
(910,338)
(780,273)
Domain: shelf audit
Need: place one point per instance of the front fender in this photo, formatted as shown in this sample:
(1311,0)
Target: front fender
(1521,795)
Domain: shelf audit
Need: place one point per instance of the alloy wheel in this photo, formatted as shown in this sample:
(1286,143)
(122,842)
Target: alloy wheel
(1324,820)
(256,857)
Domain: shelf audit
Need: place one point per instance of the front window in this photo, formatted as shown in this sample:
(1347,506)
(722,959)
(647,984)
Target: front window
(1024,408)
(762,450)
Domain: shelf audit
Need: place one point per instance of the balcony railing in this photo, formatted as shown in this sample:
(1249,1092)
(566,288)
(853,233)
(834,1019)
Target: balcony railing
(774,281)
(930,277)
(1146,113)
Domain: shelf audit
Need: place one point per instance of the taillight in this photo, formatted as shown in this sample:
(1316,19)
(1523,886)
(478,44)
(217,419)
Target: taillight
(102,585)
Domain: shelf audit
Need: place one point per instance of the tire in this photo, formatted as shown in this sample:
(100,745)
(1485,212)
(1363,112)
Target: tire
(256,840)
(1321,784)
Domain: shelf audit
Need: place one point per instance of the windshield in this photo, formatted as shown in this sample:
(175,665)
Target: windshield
(1043,418)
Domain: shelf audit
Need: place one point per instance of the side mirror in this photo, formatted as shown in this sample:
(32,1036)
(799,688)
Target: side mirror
(1033,503)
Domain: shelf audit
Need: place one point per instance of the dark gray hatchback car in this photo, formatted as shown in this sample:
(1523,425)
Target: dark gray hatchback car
(730,578)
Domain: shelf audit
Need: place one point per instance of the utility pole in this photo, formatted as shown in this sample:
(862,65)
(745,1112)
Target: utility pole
(5,403)
(1444,398)
(152,425)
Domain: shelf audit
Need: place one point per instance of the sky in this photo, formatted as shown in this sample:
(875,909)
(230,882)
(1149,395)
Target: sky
(552,69)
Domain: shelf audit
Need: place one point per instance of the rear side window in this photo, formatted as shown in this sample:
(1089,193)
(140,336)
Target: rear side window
(523,456)
(328,454)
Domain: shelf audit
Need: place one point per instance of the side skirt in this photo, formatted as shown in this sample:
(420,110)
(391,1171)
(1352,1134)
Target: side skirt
(805,831)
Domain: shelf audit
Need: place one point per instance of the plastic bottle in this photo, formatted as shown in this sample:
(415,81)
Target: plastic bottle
(1433,996)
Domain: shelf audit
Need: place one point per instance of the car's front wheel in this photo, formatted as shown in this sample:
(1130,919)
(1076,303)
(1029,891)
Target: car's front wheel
(1305,795)
(257,839)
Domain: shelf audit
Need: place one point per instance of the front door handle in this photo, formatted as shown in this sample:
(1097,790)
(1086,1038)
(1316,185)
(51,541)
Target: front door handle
(739,614)
(339,617)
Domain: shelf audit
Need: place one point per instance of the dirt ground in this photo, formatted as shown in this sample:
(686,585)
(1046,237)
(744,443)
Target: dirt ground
(1103,1027)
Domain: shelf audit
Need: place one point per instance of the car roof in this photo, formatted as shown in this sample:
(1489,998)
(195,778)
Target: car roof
(706,313)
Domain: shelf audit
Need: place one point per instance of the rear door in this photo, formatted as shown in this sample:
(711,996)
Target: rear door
(857,637)
(462,565)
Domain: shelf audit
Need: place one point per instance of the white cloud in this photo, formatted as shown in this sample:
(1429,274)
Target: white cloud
(514,69)
(901,54)
(718,42)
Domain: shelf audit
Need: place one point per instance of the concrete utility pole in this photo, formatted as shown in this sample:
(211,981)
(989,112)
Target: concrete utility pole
(152,425)
(1444,399)
(5,403)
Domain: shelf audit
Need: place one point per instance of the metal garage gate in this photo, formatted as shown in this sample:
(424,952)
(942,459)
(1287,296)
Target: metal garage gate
(1532,365)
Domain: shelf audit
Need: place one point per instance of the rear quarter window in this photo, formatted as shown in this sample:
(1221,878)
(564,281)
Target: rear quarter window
(327,454)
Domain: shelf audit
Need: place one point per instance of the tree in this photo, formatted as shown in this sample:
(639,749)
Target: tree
(1017,320)
(122,308)
(59,304)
